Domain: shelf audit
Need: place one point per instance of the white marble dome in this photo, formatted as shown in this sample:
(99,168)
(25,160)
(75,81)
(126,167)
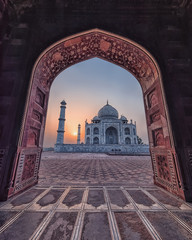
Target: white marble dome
(108,112)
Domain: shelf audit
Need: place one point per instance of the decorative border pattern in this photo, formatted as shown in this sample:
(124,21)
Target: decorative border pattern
(172,184)
(19,183)
(96,44)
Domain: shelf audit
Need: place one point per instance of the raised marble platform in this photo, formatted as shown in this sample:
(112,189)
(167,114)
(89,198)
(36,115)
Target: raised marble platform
(132,149)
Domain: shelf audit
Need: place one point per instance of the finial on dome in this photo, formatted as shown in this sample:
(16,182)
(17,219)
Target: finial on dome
(107,102)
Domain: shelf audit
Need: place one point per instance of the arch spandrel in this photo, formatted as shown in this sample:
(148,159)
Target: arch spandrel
(92,44)
(124,53)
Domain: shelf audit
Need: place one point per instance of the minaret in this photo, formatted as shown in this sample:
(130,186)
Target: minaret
(61,127)
(85,130)
(79,134)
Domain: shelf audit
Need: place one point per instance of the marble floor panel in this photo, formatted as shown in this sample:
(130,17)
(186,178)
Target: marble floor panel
(132,209)
(131,226)
(128,214)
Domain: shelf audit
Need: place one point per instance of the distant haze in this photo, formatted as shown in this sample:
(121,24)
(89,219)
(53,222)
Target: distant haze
(86,87)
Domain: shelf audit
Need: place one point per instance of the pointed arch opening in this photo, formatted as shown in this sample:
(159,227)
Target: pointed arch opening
(111,135)
(126,54)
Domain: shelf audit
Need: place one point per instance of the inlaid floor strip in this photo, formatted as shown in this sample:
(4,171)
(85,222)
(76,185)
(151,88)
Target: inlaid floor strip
(80,218)
(36,235)
(84,212)
(112,220)
(146,222)
(12,220)
(181,222)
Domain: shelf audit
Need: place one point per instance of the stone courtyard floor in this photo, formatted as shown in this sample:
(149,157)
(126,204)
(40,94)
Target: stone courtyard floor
(95,197)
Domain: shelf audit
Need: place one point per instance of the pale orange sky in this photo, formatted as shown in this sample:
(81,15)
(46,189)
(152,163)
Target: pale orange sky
(86,87)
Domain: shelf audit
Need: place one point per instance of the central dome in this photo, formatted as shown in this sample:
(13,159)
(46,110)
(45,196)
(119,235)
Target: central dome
(108,112)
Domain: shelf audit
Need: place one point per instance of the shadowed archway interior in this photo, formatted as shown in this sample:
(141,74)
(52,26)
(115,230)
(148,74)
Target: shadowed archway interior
(117,50)
(111,136)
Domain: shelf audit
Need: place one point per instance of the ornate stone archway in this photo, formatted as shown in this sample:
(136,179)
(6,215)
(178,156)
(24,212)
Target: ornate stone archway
(120,51)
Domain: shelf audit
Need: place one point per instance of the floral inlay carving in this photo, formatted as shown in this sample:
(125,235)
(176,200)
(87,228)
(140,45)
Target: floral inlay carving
(95,44)
(152,99)
(155,117)
(163,168)
(37,115)
(33,137)
(158,137)
(29,166)
(40,97)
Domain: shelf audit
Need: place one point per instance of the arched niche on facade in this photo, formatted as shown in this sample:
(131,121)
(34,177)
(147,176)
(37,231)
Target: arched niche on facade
(111,135)
(88,131)
(127,131)
(88,140)
(96,130)
(95,140)
(126,54)
(127,140)
(134,132)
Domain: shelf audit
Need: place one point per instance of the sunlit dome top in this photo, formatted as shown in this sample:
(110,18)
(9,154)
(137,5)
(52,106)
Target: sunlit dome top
(108,112)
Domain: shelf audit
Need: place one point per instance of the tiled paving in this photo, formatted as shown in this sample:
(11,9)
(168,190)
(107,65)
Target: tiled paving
(94,169)
(96,210)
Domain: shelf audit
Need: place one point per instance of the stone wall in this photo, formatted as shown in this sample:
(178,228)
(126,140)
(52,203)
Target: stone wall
(101,148)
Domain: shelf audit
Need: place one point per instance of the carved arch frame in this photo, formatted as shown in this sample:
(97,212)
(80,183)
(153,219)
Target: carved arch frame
(115,49)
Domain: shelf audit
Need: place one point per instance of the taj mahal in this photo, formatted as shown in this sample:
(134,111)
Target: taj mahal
(108,128)
(107,133)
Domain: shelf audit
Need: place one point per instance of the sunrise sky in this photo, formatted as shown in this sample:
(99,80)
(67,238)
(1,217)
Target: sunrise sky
(86,87)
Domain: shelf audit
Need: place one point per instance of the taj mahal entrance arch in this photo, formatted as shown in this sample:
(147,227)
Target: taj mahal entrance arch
(115,49)
(111,135)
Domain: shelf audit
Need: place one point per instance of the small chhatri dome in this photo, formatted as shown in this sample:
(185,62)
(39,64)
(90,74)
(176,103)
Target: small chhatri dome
(96,118)
(123,118)
(108,112)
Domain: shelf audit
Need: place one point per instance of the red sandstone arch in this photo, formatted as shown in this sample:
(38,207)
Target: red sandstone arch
(120,51)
